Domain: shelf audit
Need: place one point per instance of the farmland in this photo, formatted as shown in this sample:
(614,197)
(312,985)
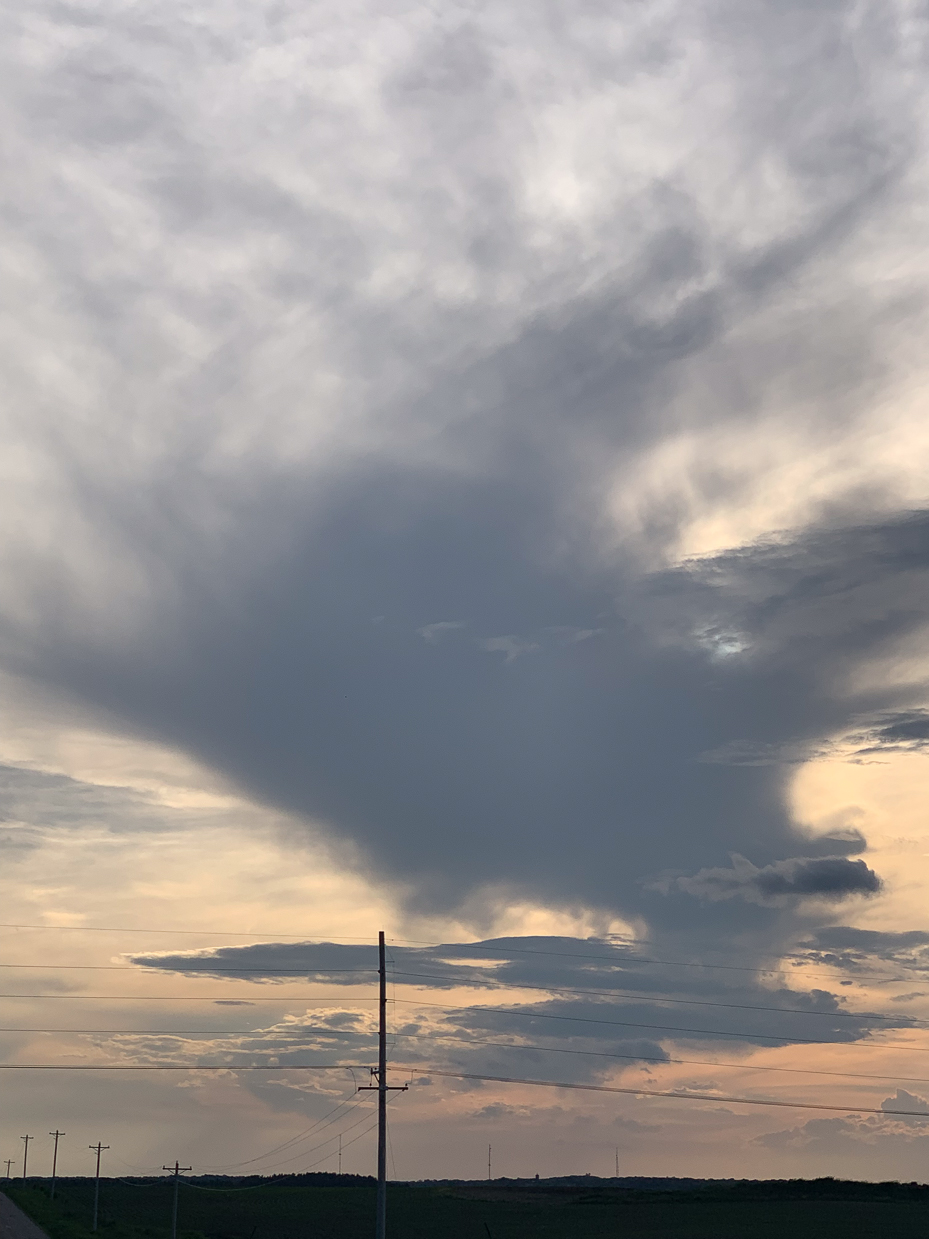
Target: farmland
(327,1207)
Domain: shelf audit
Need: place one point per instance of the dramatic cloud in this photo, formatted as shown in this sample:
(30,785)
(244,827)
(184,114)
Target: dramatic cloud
(581,1007)
(458,428)
(830,877)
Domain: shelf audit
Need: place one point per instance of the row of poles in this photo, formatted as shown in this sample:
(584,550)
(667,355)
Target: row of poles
(380,1086)
(98,1148)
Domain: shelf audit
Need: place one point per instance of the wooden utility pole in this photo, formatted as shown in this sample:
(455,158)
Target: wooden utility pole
(382,1089)
(25,1140)
(97,1148)
(57,1134)
(9,1162)
(176,1171)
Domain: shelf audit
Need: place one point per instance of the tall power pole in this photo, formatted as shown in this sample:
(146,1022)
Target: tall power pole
(97,1148)
(488,1160)
(57,1134)
(9,1162)
(382,1088)
(176,1171)
(25,1140)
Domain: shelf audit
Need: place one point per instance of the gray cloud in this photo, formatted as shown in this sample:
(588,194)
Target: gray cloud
(842,946)
(902,1100)
(409,384)
(602,1005)
(828,877)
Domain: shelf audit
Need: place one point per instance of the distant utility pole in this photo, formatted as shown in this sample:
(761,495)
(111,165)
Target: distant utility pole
(25,1140)
(97,1148)
(56,1134)
(9,1162)
(382,1088)
(617,1161)
(340,1154)
(176,1171)
(488,1160)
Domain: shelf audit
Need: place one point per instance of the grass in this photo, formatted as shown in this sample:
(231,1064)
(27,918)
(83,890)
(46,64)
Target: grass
(333,1209)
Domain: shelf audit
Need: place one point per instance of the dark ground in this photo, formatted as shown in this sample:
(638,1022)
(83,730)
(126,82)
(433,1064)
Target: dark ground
(325,1207)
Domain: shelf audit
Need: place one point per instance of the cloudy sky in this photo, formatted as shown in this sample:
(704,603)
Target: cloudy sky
(466,473)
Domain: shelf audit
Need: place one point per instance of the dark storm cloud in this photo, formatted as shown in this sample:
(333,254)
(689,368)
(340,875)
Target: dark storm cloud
(829,877)
(569,774)
(418,642)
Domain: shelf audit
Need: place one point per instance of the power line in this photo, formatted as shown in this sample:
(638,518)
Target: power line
(279,1148)
(600,993)
(218,933)
(182,1067)
(620,959)
(168,1032)
(676,1096)
(321,939)
(139,969)
(663,1062)
(703,1032)
(513,1045)
(311,1001)
(535,1013)
(461,1075)
(634,996)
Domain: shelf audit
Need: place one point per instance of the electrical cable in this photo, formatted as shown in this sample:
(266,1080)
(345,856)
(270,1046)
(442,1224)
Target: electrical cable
(139,970)
(182,1067)
(279,1148)
(523,1014)
(319,939)
(311,1001)
(663,1062)
(703,1032)
(677,1096)
(634,996)
(600,993)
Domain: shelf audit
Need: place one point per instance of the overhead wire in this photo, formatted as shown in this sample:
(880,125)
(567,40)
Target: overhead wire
(279,1148)
(318,939)
(139,970)
(314,1000)
(664,1062)
(676,1096)
(507,1045)
(629,995)
(634,996)
(704,1032)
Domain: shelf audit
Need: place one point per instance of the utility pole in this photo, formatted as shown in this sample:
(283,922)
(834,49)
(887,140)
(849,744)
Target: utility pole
(488,1161)
(382,1088)
(176,1170)
(97,1148)
(26,1140)
(9,1162)
(617,1161)
(340,1154)
(56,1134)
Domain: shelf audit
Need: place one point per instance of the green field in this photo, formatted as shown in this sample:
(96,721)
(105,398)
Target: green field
(278,1209)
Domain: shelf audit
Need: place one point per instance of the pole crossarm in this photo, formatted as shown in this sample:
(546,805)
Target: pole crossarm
(176,1171)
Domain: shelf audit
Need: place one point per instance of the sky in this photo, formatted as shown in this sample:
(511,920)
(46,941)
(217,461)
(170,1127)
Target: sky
(466,474)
